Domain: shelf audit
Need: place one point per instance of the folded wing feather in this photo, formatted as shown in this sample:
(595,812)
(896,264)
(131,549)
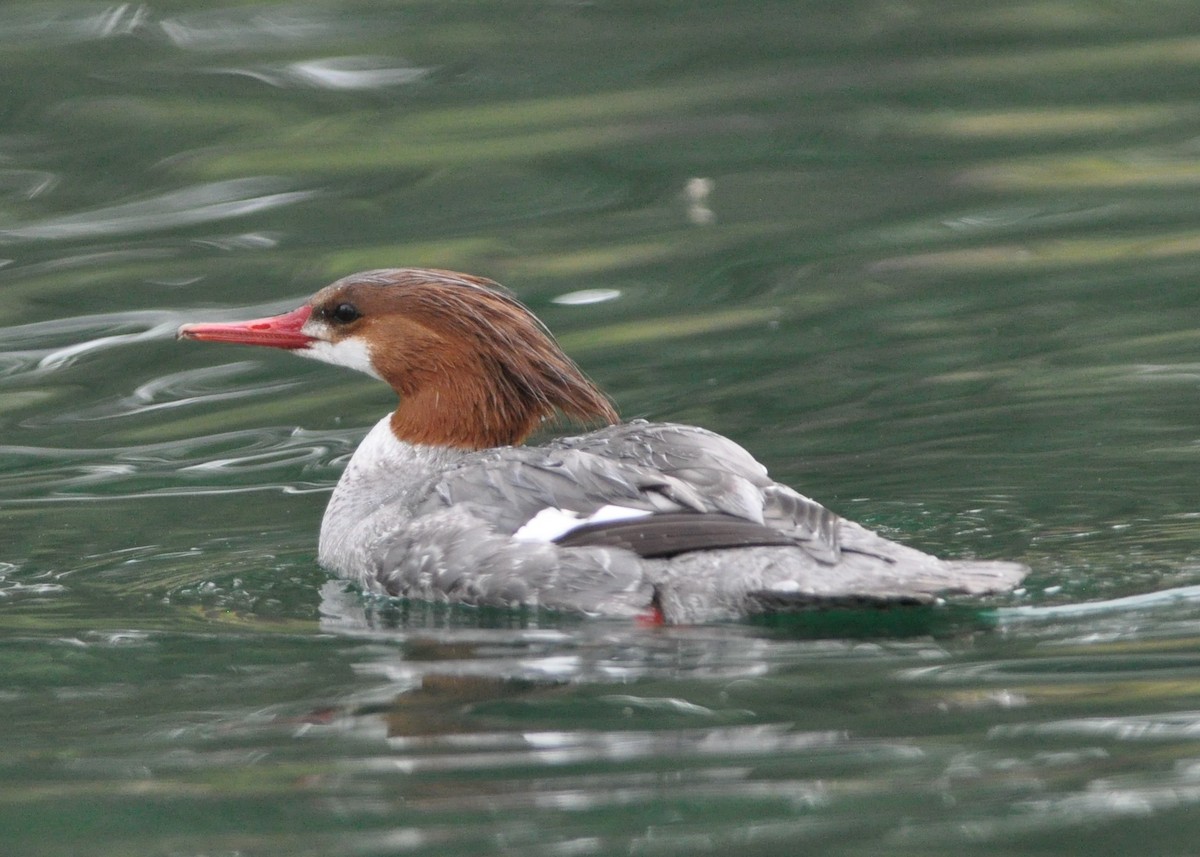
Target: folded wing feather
(666,469)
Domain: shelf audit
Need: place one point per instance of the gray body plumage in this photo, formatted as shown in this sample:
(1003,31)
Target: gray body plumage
(437,523)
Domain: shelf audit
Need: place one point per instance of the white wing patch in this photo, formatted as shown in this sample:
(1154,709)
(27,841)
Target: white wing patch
(550,524)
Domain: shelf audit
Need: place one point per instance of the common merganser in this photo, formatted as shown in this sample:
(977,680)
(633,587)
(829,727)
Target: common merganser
(441,502)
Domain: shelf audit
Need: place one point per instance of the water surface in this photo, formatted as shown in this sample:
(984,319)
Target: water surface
(932,262)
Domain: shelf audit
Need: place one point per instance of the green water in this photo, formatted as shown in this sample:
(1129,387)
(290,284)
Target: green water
(933,262)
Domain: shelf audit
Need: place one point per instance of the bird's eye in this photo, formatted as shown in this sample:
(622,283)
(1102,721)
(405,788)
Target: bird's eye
(345,313)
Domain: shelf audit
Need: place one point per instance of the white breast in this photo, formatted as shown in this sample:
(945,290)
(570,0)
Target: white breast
(369,498)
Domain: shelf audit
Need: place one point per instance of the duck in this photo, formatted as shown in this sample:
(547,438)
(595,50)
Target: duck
(443,500)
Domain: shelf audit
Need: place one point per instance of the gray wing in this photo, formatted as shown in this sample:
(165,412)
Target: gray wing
(657,467)
(453,540)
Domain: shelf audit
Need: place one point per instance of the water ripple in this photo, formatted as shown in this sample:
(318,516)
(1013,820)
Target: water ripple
(60,357)
(28,183)
(174,390)
(201,203)
(335,73)
(255,27)
(207,464)
(559,748)
(31,347)
(1175,726)
(37,347)
(1183,596)
(12,586)
(47,25)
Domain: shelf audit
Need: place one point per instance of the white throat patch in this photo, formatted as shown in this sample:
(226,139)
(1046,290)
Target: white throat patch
(352,352)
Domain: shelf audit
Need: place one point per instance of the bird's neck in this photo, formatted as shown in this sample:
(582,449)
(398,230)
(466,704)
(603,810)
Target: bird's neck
(464,415)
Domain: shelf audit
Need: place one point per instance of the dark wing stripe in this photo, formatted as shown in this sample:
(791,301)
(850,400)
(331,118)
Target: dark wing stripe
(800,602)
(672,533)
